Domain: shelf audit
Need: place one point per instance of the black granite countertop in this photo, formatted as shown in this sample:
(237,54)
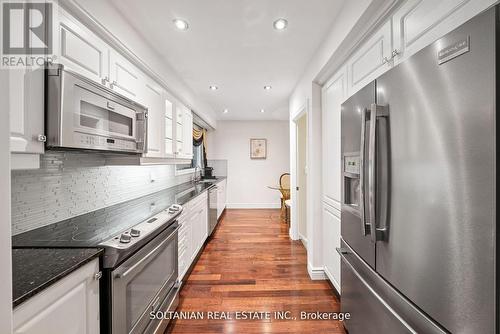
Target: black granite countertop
(34,269)
(43,256)
(187,191)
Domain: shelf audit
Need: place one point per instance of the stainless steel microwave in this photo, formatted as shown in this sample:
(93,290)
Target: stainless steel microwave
(82,114)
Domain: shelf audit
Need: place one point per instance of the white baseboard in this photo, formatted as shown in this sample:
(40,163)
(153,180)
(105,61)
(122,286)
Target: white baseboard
(316,273)
(332,279)
(253,205)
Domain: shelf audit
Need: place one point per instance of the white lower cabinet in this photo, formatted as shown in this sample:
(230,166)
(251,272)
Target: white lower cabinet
(70,306)
(193,231)
(331,241)
(221,197)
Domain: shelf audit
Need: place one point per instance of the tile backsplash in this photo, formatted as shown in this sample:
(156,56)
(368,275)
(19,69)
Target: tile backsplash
(219,166)
(70,184)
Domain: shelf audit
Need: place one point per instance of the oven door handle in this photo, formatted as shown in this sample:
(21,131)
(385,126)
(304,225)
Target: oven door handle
(148,256)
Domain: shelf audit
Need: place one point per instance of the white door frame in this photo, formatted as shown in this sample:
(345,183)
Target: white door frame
(294,217)
(301,193)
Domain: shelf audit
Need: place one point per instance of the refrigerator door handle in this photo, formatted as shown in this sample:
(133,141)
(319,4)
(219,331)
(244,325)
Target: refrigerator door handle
(377,233)
(365,228)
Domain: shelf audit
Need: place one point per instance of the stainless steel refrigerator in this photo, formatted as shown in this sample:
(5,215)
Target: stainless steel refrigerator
(419,225)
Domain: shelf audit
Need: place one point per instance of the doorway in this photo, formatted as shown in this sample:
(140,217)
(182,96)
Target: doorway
(302,177)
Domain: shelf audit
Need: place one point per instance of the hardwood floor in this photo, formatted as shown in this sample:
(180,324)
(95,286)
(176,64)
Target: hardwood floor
(251,265)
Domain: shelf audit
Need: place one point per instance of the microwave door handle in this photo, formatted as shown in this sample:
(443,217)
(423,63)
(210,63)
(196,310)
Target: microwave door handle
(365,228)
(377,233)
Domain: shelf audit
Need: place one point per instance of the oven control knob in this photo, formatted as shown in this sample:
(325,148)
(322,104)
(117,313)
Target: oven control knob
(135,233)
(125,238)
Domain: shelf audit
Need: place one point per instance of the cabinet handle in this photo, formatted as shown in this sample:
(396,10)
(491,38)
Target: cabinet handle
(394,54)
(41,138)
(98,276)
(105,80)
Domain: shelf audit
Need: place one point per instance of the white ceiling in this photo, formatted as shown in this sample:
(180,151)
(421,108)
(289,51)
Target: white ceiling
(232,44)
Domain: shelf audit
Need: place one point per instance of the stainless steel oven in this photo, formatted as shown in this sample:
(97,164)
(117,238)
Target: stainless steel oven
(145,283)
(82,114)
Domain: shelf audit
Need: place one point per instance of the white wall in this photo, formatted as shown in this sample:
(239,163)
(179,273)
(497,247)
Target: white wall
(105,14)
(5,242)
(307,97)
(248,179)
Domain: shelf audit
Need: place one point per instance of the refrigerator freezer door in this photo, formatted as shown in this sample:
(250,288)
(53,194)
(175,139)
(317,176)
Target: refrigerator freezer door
(440,250)
(354,231)
(374,306)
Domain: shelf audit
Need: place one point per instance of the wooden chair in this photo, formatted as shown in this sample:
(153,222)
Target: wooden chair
(285,190)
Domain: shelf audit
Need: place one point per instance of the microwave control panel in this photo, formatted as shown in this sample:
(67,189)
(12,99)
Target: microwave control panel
(104,143)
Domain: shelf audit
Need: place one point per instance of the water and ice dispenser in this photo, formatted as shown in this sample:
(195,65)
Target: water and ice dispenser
(351,169)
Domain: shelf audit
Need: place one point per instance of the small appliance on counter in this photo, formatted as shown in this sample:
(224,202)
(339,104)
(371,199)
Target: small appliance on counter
(208,173)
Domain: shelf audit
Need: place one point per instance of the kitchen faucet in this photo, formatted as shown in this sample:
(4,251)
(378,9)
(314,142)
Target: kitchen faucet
(195,178)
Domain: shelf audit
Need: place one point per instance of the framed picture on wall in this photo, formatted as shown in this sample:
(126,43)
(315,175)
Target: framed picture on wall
(258,148)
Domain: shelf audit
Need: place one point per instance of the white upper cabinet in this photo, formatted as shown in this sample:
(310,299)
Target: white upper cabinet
(80,50)
(419,23)
(153,99)
(26,103)
(169,130)
(333,95)
(124,77)
(183,132)
(371,59)
(187,132)
(179,130)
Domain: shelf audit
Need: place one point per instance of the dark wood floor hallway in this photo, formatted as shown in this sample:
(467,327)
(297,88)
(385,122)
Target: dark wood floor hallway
(250,264)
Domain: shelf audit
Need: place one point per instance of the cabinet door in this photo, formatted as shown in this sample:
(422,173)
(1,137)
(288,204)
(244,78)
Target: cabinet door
(79,50)
(333,94)
(69,306)
(126,79)
(179,130)
(183,247)
(368,62)
(169,130)
(331,240)
(196,221)
(419,23)
(221,198)
(26,105)
(187,132)
(153,100)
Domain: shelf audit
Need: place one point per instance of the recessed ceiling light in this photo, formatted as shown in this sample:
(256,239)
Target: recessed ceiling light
(213,87)
(267,87)
(261,110)
(181,24)
(225,111)
(280,24)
